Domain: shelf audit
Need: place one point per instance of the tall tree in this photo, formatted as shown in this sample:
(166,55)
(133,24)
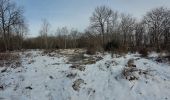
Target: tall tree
(139,34)
(74,36)
(157,20)
(10,16)
(44,31)
(100,20)
(62,34)
(127,27)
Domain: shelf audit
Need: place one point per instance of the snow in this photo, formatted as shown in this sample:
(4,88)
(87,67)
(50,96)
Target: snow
(43,77)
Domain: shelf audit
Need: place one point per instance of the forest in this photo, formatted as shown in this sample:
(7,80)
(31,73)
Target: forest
(108,30)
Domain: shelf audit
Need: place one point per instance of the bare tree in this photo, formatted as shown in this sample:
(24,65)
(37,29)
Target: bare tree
(62,34)
(100,20)
(10,16)
(127,27)
(20,31)
(157,20)
(139,34)
(112,27)
(74,36)
(44,31)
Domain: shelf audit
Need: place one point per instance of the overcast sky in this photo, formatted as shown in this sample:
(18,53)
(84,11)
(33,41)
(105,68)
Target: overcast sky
(76,13)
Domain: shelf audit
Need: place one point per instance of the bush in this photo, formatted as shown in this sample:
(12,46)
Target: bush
(111,46)
(91,51)
(47,51)
(9,59)
(143,52)
(2,47)
(168,56)
(122,50)
(5,56)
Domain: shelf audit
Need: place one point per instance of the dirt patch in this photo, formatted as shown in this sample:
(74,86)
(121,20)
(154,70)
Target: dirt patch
(50,53)
(70,52)
(71,75)
(110,63)
(28,55)
(135,73)
(131,72)
(77,83)
(10,60)
(164,59)
(82,59)
(77,58)
(29,88)
(79,67)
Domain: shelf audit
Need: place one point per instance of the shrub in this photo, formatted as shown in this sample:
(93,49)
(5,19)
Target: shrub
(143,52)
(9,59)
(111,46)
(122,49)
(47,51)
(91,51)
(168,57)
(4,56)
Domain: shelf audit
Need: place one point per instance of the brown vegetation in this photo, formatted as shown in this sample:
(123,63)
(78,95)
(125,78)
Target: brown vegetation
(9,60)
(108,30)
(143,52)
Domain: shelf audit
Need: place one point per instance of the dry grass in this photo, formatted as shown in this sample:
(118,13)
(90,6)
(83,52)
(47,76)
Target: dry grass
(5,56)
(91,51)
(77,83)
(143,52)
(79,67)
(83,60)
(10,60)
(131,72)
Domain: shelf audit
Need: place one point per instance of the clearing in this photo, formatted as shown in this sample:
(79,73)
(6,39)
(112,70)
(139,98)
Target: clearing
(74,75)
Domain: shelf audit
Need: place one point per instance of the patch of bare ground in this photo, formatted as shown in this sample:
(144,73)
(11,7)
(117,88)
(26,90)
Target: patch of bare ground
(84,59)
(79,67)
(50,52)
(77,83)
(163,58)
(131,72)
(10,60)
(75,56)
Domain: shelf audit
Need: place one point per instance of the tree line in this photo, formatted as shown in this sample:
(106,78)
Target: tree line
(108,30)
(12,26)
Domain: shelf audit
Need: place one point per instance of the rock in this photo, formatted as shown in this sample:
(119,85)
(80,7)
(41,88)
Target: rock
(159,60)
(3,70)
(51,77)
(1,87)
(71,75)
(133,65)
(29,87)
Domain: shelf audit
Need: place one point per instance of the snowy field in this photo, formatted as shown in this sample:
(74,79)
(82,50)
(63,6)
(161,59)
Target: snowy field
(73,75)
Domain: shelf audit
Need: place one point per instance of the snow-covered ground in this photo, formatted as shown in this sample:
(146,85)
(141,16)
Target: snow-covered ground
(54,77)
